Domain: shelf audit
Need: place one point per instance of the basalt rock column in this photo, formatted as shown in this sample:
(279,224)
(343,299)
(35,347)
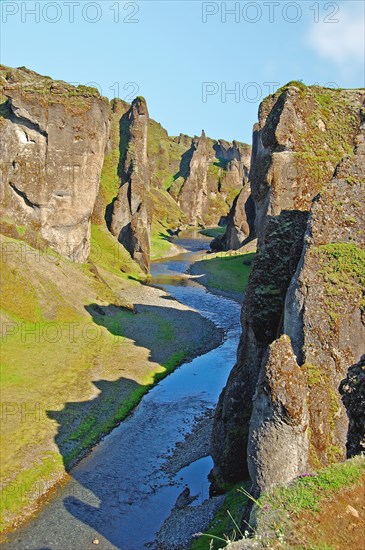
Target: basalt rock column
(131,221)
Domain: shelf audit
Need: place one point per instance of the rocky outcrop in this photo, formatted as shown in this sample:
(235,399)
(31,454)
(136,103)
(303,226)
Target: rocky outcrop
(278,443)
(273,268)
(192,180)
(58,141)
(323,319)
(302,135)
(131,218)
(240,222)
(303,323)
(193,197)
(52,141)
(213,175)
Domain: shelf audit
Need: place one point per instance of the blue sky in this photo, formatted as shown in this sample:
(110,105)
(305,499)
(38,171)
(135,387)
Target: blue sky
(185,56)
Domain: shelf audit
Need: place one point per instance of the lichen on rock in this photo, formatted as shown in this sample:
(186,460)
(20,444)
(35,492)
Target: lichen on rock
(53,137)
(307,283)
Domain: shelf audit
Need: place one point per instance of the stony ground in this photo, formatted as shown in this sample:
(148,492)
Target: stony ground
(195,445)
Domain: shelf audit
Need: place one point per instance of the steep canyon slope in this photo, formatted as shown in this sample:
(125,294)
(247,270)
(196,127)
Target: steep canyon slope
(281,413)
(53,137)
(60,141)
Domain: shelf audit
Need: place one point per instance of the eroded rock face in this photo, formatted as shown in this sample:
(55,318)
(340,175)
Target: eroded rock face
(52,141)
(282,397)
(324,308)
(131,219)
(240,222)
(278,437)
(273,268)
(193,197)
(213,177)
(302,135)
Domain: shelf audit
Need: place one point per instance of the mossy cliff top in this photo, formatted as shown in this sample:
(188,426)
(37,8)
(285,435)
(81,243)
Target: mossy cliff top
(31,85)
(311,119)
(302,134)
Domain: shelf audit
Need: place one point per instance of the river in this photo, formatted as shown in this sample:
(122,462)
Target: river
(120,494)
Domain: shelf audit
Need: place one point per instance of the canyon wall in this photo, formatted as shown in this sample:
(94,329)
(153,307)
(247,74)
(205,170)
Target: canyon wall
(214,176)
(301,135)
(281,413)
(52,142)
(131,216)
(240,222)
(71,158)
(191,180)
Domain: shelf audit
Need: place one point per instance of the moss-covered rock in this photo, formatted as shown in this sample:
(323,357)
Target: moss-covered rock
(307,282)
(53,137)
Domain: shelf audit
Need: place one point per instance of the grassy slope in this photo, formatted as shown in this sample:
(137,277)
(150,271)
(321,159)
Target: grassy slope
(50,297)
(225,272)
(166,215)
(164,159)
(80,379)
(286,517)
(213,231)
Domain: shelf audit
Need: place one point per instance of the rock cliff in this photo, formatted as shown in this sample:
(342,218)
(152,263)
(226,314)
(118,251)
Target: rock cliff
(240,222)
(353,396)
(131,217)
(214,175)
(192,180)
(302,134)
(281,412)
(52,141)
(59,141)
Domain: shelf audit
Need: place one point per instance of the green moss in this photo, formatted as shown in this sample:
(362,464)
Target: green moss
(319,151)
(109,180)
(21,229)
(330,122)
(166,184)
(215,169)
(267,290)
(283,513)
(297,83)
(343,269)
(314,374)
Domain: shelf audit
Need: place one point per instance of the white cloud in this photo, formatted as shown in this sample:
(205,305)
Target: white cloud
(343,42)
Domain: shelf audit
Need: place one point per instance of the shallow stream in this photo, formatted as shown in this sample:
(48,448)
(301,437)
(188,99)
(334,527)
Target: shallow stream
(120,494)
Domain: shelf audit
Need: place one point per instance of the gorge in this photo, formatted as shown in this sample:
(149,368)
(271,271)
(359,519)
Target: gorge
(106,273)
